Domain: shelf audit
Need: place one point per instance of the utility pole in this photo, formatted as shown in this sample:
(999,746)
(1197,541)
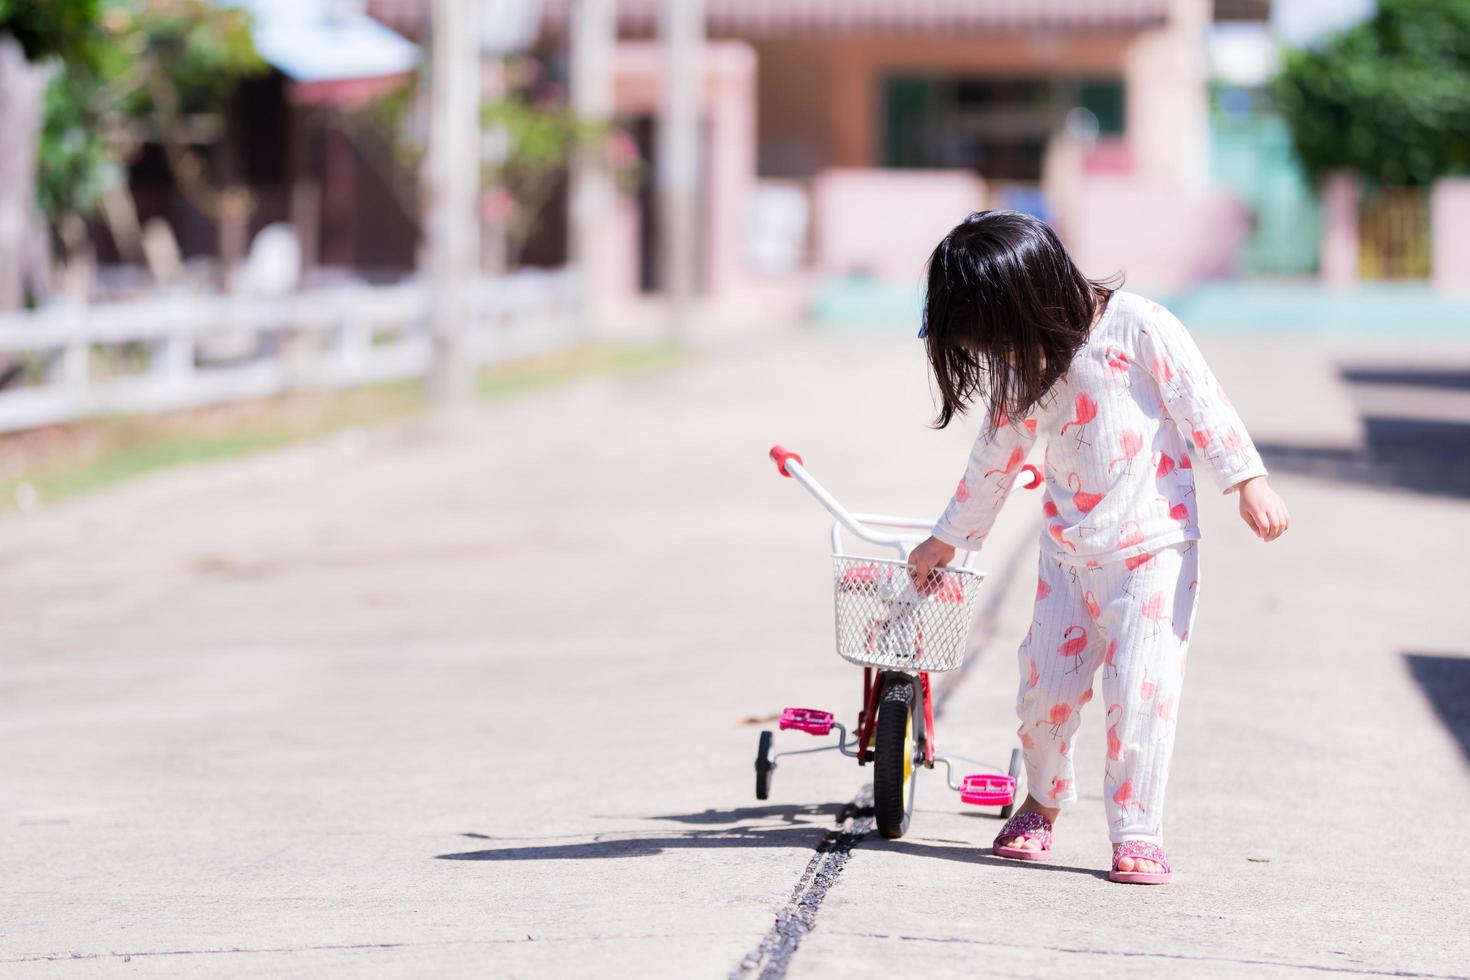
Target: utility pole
(593,38)
(680,136)
(454,192)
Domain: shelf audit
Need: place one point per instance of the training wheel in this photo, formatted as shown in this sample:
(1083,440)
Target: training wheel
(1015,774)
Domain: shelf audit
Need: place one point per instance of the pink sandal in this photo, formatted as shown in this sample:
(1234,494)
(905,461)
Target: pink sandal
(1141,850)
(1025,825)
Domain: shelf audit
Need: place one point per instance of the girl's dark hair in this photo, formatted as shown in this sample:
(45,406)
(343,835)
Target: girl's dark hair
(1004,312)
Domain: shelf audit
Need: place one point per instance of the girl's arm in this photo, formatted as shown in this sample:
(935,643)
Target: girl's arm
(1193,398)
(1196,403)
(994,463)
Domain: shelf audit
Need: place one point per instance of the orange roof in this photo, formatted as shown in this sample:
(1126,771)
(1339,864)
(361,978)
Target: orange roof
(909,16)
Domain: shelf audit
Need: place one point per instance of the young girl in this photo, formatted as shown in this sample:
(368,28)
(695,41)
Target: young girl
(1127,408)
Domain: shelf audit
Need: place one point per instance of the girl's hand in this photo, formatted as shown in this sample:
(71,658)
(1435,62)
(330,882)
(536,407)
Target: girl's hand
(1263,510)
(928,556)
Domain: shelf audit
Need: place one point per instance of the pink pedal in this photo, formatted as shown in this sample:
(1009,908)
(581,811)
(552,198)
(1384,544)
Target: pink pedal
(988,789)
(808,720)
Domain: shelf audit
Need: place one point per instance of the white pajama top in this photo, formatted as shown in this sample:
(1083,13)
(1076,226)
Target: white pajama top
(1119,427)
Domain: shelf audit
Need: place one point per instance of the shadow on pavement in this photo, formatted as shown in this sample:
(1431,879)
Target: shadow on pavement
(1423,455)
(1451,380)
(970,854)
(799,829)
(1428,456)
(789,812)
(1445,681)
(805,837)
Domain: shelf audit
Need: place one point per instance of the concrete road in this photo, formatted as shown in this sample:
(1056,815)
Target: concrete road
(479,696)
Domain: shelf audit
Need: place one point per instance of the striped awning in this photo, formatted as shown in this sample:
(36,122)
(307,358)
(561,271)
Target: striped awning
(757,17)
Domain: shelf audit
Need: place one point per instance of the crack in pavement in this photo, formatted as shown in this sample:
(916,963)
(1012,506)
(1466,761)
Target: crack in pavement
(330,947)
(1195,958)
(772,956)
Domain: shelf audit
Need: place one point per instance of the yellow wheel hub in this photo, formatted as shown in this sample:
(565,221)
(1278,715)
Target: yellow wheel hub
(908,760)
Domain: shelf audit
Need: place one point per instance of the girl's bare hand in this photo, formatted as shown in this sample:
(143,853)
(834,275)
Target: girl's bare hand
(928,556)
(1263,510)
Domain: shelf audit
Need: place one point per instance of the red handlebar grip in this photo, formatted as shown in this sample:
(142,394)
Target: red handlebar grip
(781,454)
(1035,476)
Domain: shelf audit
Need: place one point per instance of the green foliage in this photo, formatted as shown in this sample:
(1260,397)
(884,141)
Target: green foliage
(1389,98)
(202,49)
(138,62)
(532,143)
(47,28)
(74,164)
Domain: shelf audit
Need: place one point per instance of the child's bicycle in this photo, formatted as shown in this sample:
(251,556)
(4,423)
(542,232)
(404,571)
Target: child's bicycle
(899,635)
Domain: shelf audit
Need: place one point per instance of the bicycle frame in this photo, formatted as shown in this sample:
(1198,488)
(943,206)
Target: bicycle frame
(867,527)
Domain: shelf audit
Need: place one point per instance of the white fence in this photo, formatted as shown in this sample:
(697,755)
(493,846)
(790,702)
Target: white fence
(183,351)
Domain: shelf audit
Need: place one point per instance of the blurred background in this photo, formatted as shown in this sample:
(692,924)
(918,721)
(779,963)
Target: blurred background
(220,202)
(393,574)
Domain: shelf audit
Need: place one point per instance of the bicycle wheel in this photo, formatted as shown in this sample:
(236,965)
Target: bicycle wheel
(763,767)
(1015,773)
(894,769)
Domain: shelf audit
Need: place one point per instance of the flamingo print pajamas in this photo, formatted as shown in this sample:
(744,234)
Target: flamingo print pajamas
(1119,570)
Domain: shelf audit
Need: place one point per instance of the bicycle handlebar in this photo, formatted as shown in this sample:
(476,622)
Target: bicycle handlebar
(791,465)
(781,454)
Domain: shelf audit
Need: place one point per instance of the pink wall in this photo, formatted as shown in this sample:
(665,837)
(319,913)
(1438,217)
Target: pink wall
(1163,239)
(728,158)
(1449,223)
(886,222)
(1342,194)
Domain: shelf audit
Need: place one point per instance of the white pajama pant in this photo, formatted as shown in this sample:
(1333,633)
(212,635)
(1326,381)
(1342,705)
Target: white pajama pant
(1131,619)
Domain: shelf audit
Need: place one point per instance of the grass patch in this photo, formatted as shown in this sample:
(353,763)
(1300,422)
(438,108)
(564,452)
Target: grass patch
(50,464)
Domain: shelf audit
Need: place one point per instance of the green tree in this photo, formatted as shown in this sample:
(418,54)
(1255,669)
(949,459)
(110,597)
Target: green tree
(63,28)
(1389,98)
(146,66)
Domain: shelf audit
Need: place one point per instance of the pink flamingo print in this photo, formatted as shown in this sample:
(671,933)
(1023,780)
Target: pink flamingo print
(1128,538)
(1030,425)
(1074,646)
(1059,786)
(1118,360)
(1131,443)
(1035,675)
(962,492)
(1086,697)
(1049,508)
(1232,442)
(1165,708)
(1133,564)
(1027,742)
(1147,689)
(1108,662)
(1115,744)
(1012,464)
(1202,437)
(1085,410)
(1060,712)
(1123,796)
(1056,531)
(1083,500)
(1166,465)
(1153,609)
(1093,564)
(1184,463)
(1042,589)
(1093,609)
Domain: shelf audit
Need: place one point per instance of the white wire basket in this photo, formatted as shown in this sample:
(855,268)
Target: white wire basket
(884,622)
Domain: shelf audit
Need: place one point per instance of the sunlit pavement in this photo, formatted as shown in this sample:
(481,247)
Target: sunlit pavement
(479,696)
